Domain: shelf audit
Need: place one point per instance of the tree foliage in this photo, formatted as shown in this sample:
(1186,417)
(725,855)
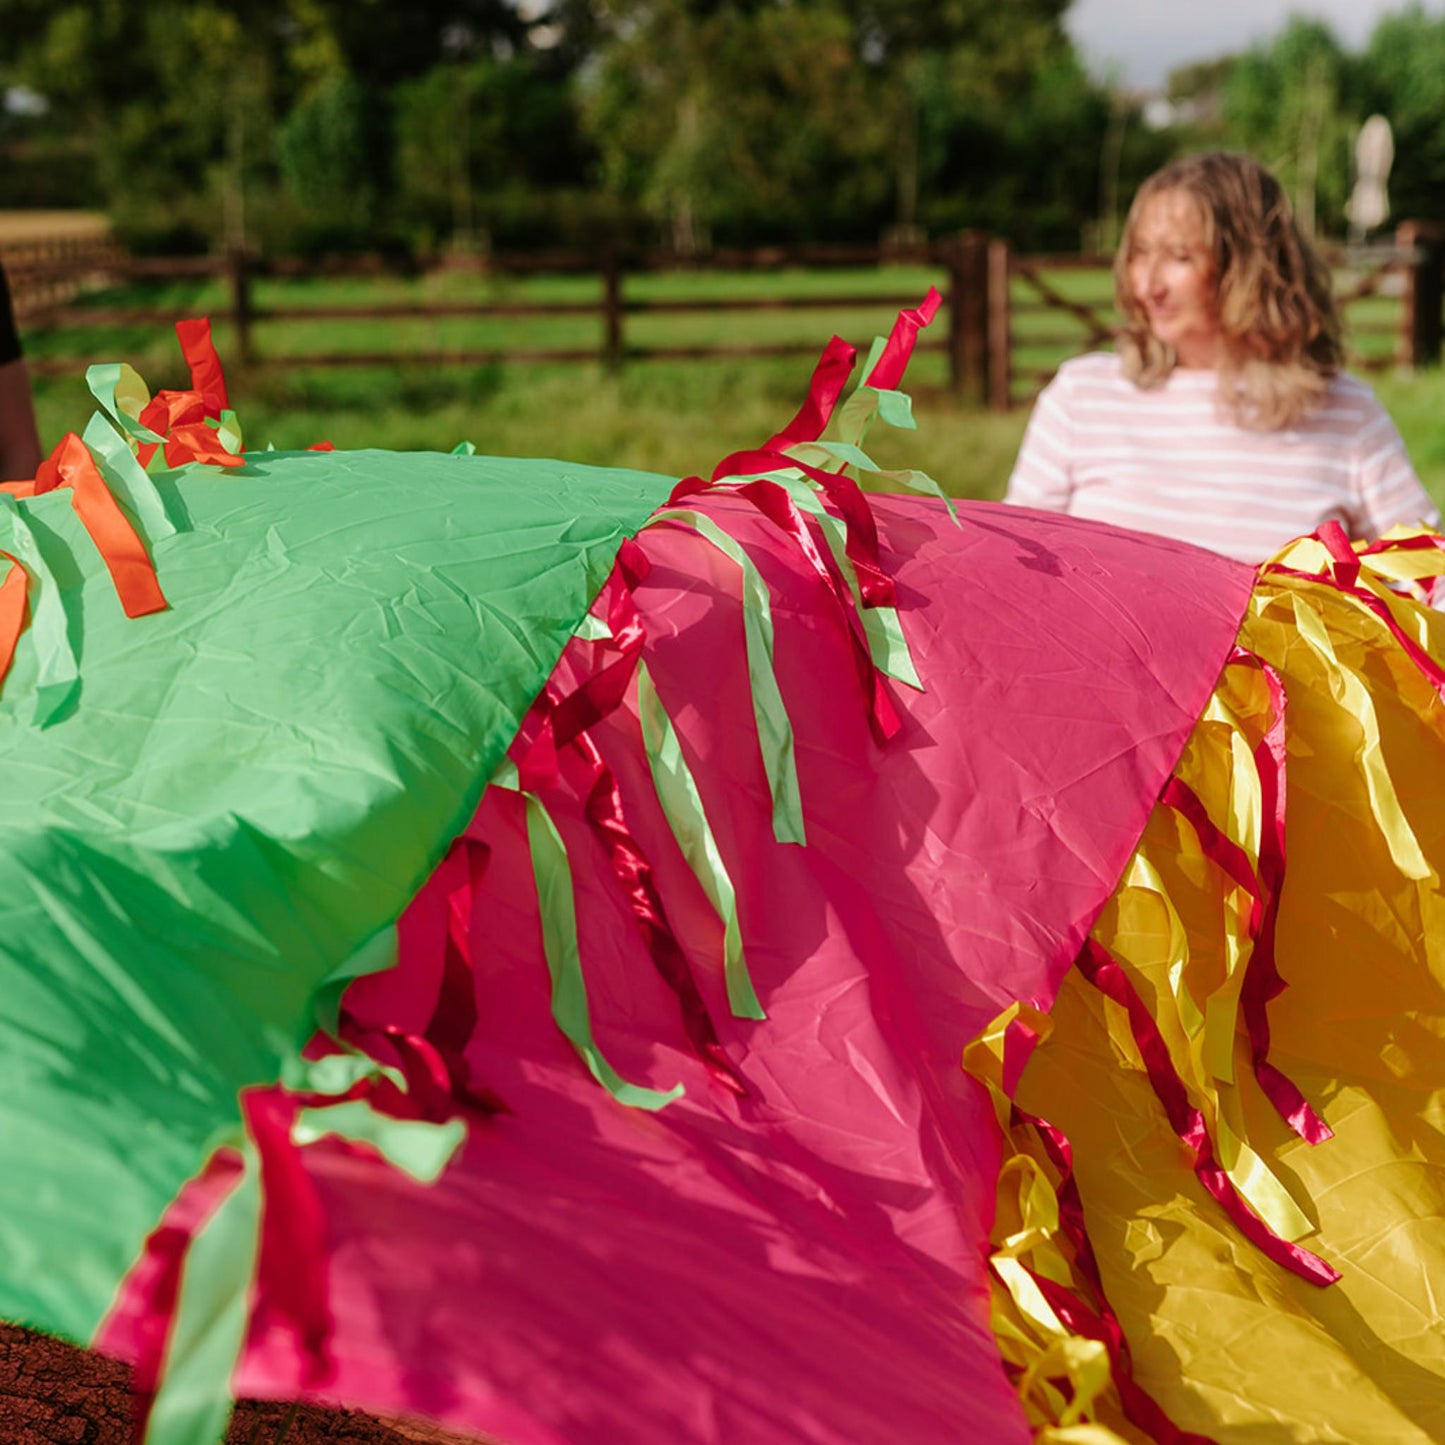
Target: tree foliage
(307,122)
(1404,80)
(1292,102)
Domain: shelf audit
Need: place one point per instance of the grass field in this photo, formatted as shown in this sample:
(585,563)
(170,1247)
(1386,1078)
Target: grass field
(674,417)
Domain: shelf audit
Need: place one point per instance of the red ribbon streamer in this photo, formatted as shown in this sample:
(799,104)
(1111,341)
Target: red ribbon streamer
(182,417)
(829,378)
(1105,974)
(608,820)
(291,1274)
(602,692)
(160,1292)
(207,378)
(1140,1408)
(12,611)
(554,718)
(454,1018)
(1097,1322)
(875,586)
(898,349)
(556,725)
(71,465)
(1262,980)
(779,508)
(198,442)
(434,1090)
(1343,574)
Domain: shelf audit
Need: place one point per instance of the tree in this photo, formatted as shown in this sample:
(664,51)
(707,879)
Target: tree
(1293,103)
(756,115)
(746,119)
(484,146)
(1404,80)
(191,106)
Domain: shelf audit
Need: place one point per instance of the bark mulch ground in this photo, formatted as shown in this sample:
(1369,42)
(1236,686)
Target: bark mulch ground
(54,1394)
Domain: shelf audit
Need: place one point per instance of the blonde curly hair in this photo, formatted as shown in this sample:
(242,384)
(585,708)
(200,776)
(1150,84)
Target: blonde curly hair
(1278,326)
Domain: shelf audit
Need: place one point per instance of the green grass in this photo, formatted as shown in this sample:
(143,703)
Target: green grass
(673,417)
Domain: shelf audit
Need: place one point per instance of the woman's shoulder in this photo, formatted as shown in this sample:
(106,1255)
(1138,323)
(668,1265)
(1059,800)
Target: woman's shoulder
(1101,366)
(1350,404)
(1088,376)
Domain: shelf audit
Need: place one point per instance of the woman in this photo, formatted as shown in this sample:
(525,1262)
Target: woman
(1224,418)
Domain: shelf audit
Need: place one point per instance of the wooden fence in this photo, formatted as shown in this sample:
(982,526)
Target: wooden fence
(989,290)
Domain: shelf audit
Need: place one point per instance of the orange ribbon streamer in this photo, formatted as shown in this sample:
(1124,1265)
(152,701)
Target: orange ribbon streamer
(12,611)
(71,465)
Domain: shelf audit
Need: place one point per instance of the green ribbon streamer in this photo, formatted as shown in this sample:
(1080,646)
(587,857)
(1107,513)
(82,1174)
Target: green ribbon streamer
(557,904)
(825,454)
(376,955)
(855,416)
(592,629)
(881,625)
(208,1335)
(127,478)
(111,384)
(193,1402)
(335,1074)
(415,1146)
(419,1148)
(775,730)
(56,672)
(892,408)
(228,429)
(677,791)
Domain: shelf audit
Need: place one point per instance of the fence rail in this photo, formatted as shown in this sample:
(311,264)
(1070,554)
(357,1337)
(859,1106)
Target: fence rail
(989,289)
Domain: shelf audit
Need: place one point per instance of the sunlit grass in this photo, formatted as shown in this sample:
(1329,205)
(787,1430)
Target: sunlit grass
(674,417)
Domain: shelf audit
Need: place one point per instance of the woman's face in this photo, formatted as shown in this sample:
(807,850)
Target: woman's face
(1171,273)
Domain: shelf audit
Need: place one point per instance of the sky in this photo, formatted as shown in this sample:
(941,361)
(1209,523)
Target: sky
(1138,42)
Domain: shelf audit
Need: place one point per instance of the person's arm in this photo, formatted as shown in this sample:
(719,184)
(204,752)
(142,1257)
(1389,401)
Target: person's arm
(1387,491)
(19,437)
(1043,474)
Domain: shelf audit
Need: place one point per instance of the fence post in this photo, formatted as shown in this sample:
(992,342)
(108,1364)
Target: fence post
(1420,312)
(968,316)
(1000,372)
(611,309)
(242,311)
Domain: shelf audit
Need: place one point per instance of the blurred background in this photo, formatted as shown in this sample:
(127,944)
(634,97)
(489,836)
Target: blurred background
(615,230)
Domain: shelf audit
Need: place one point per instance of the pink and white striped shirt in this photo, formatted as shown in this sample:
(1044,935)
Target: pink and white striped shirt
(1166,460)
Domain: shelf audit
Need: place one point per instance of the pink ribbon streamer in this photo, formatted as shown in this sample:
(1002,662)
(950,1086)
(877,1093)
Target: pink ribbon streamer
(1105,974)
